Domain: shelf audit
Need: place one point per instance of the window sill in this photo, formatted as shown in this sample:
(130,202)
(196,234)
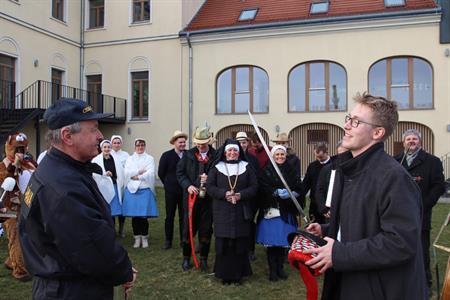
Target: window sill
(95,29)
(137,121)
(140,23)
(63,22)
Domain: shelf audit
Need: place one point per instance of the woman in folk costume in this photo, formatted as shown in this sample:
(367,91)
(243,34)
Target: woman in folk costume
(232,183)
(19,165)
(111,181)
(279,218)
(139,199)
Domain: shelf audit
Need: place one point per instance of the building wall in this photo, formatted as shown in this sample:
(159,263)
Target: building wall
(356,46)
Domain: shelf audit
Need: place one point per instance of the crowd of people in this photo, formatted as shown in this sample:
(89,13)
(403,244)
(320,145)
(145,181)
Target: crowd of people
(373,211)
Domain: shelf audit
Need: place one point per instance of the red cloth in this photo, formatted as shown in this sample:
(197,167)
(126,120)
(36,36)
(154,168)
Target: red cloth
(261,155)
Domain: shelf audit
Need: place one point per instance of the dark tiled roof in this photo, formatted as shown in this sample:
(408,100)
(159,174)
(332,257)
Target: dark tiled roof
(225,13)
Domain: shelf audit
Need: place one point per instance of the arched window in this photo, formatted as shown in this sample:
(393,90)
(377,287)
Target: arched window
(407,80)
(317,86)
(242,88)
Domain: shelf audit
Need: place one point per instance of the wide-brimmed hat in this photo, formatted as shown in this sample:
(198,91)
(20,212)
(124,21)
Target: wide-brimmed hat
(281,138)
(201,135)
(241,135)
(177,134)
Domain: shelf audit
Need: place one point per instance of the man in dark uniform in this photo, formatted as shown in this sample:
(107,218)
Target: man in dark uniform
(173,193)
(426,170)
(244,141)
(66,230)
(312,177)
(192,173)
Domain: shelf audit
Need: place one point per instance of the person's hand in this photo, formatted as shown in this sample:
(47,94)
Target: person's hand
(192,190)
(324,258)
(6,161)
(109,173)
(135,177)
(327,214)
(203,178)
(314,228)
(284,194)
(18,156)
(237,197)
(228,195)
(129,285)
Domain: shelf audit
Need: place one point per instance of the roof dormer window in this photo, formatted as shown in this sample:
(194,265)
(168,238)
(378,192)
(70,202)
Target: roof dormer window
(248,14)
(393,3)
(319,7)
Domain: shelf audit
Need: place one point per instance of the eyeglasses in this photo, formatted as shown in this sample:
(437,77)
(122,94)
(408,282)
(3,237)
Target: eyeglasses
(355,122)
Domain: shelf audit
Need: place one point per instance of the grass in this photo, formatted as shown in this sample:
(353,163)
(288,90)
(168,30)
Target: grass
(161,276)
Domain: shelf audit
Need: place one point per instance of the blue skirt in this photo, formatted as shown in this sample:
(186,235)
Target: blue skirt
(140,204)
(274,232)
(116,207)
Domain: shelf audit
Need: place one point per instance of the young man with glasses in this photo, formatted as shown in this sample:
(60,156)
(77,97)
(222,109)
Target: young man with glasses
(373,248)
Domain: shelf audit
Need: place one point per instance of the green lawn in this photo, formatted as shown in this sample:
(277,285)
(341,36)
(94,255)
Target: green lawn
(161,277)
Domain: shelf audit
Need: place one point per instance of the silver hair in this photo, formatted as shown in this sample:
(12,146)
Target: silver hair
(412,132)
(54,135)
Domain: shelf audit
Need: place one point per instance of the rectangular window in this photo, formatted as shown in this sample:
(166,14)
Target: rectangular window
(94,92)
(139,88)
(319,7)
(391,3)
(96,13)
(315,136)
(141,11)
(248,14)
(58,9)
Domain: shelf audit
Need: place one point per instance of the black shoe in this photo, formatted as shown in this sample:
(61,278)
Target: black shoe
(203,264)
(167,244)
(251,256)
(226,282)
(186,265)
(273,276)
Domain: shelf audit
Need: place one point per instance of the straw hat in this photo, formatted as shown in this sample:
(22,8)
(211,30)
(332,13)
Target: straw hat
(201,135)
(177,134)
(281,138)
(241,135)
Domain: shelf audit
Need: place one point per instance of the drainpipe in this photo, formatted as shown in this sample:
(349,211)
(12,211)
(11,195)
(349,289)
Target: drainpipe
(82,45)
(190,88)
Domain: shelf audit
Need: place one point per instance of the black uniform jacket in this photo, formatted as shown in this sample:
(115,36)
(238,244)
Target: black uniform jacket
(427,171)
(232,220)
(67,234)
(167,172)
(378,209)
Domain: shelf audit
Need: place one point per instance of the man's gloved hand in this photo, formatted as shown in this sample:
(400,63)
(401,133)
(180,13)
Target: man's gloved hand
(284,194)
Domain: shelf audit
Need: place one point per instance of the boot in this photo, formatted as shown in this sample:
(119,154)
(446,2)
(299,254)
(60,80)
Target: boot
(280,263)
(144,241)
(167,244)
(137,241)
(186,265)
(203,264)
(272,265)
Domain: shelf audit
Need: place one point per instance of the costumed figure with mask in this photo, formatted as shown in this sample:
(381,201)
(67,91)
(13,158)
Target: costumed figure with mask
(232,183)
(19,165)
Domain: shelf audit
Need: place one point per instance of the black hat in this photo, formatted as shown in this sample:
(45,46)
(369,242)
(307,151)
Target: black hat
(66,111)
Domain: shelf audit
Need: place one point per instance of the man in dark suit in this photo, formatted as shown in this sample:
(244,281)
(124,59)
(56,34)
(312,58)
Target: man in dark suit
(173,193)
(426,170)
(311,178)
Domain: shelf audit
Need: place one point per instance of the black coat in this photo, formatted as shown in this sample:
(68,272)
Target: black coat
(377,207)
(270,182)
(67,234)
(167,173)
(323,182)
(232,220)
(427,171)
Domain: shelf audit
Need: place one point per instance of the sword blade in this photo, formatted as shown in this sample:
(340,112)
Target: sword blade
(275,166)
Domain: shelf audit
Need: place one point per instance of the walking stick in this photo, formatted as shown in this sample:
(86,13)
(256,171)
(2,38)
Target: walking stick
(191,202)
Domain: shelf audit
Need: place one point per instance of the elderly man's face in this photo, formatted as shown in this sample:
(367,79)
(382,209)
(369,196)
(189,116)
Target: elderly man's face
(202,147)
(86,142)
(411,143)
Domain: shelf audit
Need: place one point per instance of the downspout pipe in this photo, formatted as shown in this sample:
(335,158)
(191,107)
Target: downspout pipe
(82,45)
(188,38)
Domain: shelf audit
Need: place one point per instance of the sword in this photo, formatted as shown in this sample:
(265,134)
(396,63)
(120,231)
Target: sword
(275,166)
